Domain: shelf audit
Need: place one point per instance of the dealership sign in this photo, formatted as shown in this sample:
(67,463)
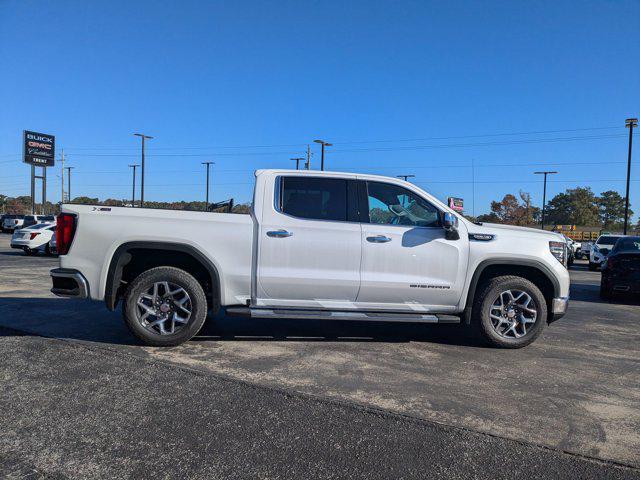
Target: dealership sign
(39,149)
(456,204)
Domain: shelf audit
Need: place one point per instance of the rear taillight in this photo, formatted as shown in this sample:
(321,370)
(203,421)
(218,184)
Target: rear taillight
(65,230)
(34,235)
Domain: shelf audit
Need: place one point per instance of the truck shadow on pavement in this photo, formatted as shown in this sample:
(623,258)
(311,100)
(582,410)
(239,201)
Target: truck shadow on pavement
(89,321)
(248,329)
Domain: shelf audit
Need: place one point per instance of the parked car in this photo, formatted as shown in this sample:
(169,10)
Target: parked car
(570,251)
(53,246)
(621,269)
(317,245)
(34,238)
(585,250)
(12,222)
(35,219)
(600,250)
(574,245)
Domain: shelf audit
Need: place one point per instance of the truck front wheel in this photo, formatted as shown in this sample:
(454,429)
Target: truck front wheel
(164,306)
(509,311)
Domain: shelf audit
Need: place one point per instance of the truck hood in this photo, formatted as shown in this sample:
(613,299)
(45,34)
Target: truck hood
(517,231)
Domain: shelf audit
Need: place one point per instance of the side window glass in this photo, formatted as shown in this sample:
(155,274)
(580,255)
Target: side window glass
(314,198)
(394,205)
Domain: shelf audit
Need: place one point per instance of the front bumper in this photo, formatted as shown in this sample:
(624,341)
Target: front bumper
(559,307)
(68,282)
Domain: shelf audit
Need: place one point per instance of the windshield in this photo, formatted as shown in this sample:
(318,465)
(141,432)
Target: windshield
(40,225)
(628,244)
(607,240)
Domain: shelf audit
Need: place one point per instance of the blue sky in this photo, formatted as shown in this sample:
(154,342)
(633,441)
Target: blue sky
(404,87)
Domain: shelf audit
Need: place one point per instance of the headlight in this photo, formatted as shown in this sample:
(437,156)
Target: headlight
(559,250)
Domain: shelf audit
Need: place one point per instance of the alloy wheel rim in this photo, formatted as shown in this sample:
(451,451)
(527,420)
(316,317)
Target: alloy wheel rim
(164,308)
(513,314)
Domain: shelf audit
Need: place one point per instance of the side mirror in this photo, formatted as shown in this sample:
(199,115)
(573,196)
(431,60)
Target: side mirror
(449,223)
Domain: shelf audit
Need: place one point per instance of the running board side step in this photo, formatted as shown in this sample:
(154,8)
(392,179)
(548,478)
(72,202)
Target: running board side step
(301,314)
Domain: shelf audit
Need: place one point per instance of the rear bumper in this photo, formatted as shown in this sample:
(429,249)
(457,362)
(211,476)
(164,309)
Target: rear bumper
(559,307)
(68,282)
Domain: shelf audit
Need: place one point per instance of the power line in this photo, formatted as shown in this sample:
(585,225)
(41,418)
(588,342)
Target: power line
(483,144)
(373,149)
(349,142)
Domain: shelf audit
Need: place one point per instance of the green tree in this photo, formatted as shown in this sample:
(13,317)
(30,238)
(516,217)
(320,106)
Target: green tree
(577,206)
(488,218)
(86,200)
(611,207)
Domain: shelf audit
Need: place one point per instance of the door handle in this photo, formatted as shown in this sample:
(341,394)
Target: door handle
(279,233)
(378,239)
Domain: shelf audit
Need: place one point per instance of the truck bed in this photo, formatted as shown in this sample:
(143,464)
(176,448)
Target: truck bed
(225,238)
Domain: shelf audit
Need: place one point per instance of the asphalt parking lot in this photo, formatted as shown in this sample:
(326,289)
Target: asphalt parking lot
(288,399)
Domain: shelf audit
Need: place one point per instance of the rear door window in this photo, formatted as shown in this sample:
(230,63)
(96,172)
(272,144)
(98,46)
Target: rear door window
(314,198)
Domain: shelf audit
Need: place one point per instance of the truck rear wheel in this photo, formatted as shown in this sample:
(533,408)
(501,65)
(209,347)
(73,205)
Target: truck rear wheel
(164,306)
(510,311)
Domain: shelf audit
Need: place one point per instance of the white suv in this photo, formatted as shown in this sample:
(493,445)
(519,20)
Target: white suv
(12,222)
(601,249)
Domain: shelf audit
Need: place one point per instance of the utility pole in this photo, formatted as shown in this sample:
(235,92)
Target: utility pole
(544,193)
(44,191)
(143,137)
(297,160)
(629,123)
(206,206)
(33,189)
(404,177)
(473,187)
(324,144)
(69,181)
(133,185)
(308,164)
(62,177)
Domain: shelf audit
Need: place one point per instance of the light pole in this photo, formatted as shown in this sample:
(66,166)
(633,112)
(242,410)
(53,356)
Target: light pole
(404,177)
(133,185)
(629,123)
(297,160)
(206,206)
(324,144)
(544,193)
(68,169)
(143,137)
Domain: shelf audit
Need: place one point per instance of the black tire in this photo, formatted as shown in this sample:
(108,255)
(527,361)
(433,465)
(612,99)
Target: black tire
(592,267)
(29,252)
(605,293)
(144,282)
(491,290)
(47,250)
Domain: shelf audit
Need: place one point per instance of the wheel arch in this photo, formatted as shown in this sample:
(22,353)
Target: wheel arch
(537,272)
(127,262)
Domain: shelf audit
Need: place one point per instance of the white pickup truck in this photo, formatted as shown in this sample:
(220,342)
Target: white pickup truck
(319,245)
